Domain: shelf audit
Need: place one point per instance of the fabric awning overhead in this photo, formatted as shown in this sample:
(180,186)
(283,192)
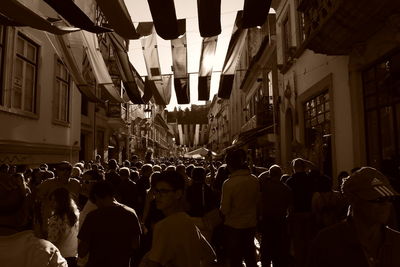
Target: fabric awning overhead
(74,15)
(149,87)
(164,18)
(207,56)
(255,12)
(126,68)
(20,14)
(162,92)
(209,16)
(98,65)
(232,57)
(150,53)
(182,90)
(118,17)
(65,50)
(179,52)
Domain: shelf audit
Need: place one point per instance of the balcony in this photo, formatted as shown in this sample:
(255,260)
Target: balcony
(334,27)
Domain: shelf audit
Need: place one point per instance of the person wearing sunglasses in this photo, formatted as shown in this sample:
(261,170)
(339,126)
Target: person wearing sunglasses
(176,239)
(363,239)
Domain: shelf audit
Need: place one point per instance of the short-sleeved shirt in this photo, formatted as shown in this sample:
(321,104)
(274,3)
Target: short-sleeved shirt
(177,242)
(24,249)
(338,246)
(110,233)
(240,195)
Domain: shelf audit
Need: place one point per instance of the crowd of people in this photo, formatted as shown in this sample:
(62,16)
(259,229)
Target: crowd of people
(189,213)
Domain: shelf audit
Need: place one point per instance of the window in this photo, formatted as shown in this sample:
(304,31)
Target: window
(286,35)
(23,92)
(61,93)
(2,42)
(317,117)
(381,90)
(301,25)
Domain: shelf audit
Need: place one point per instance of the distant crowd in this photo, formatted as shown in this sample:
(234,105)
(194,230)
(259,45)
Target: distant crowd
(191,213)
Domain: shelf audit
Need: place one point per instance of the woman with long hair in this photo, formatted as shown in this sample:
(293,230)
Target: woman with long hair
(63,225)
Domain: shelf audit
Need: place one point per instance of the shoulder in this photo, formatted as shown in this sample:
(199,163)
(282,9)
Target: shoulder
(45,251)
(74,181)
(393,235)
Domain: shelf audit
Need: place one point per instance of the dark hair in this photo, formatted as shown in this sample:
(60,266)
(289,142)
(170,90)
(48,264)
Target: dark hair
(173,178)
(199,174)
(101,190)
(236,159)
(95,174)
(112,164)
(154,178)
(65,205)
(189,170)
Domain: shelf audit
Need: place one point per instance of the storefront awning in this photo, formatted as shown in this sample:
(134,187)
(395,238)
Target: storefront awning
(259,136)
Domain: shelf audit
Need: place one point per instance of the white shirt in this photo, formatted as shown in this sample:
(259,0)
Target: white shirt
(24,249)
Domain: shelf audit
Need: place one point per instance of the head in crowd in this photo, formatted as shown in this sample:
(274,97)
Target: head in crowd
(98,158)
(369,194)
(63,170)
(134,159)
(127,163)
(163,166)
(76,172)
(14,203)
(275,172)
(170,168)
(189,170)
(139,164)
(199,175)
(154,178)
(80,165)
(157,168)
(44,167)
(298,165)
(124,173)
(169,192)
(236,160)
(62,205)
(146,170)
(181,168)
(134,175)
(341,176)
(112,164)
(284,178)
(89,178)
(102,193)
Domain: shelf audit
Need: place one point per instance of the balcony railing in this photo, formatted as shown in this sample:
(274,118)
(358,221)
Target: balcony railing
(334,27)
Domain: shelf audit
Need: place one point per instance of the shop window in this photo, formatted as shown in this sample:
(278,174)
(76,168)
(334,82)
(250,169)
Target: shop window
(317,117)
(381,92)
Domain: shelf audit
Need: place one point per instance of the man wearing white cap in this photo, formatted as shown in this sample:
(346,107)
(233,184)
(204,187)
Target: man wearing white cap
(364,239)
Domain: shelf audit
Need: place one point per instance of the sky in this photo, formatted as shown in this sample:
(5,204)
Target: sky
(139,11)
